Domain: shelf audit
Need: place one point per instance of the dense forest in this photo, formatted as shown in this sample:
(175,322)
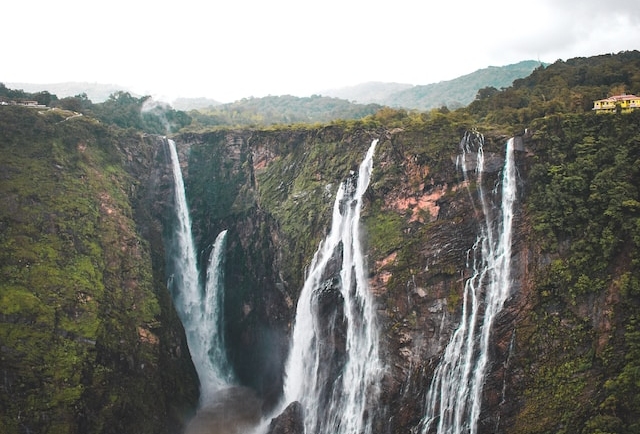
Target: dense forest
(563,87)
(90,341)
(280,110)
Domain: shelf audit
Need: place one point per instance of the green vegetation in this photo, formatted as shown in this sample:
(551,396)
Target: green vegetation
(460,91)
(127,111)
(560,88)
(76,288)
(120,109)
(81,305)
(44,97)
(384,232)
(279,110)
(583,203)
(585,186)
(144,114)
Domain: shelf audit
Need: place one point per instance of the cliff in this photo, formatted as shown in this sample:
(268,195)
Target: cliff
(564,327)
(273,191)
(90,340)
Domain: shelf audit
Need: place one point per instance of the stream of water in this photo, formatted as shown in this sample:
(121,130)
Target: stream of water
(455,394)
(199,306)
(334,367)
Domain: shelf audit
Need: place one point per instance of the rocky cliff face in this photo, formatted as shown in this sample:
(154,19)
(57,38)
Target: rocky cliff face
(273,191)
(90,341)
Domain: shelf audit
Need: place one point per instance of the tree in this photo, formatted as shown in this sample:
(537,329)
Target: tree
(486,92)
(79,103)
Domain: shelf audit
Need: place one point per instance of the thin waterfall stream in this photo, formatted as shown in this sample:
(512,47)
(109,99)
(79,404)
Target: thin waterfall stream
(199,305)
(455,394)
(224,407)
(334,367)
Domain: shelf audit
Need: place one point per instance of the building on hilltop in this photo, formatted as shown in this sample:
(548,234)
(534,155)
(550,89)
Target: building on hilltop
(625,103)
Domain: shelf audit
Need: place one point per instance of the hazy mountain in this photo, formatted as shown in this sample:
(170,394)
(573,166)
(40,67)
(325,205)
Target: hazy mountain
(376,92)
(452,93)
(187,104)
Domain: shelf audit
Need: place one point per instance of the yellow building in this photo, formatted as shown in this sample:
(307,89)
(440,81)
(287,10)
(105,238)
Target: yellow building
(627,103)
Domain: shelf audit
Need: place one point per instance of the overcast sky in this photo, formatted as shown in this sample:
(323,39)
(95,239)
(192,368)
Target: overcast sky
(227,50)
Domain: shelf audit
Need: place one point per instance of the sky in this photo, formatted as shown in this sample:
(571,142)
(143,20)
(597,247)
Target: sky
(233,49)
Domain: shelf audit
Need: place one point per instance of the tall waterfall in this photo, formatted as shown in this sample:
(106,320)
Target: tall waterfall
(454,397)
(334,367)
(199,308)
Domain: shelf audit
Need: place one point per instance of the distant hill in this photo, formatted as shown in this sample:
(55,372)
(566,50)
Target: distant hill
(375,92)
(96,92)
(187,104)
(285,109)
(455,93)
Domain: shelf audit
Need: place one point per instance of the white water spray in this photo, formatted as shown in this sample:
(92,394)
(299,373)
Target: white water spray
(200,309)
(217,372)
(454,397)
(334,367)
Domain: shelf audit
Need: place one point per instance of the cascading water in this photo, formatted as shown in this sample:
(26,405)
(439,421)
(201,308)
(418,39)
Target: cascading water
(334,367)
(200,309)
(217,371)
(454,397)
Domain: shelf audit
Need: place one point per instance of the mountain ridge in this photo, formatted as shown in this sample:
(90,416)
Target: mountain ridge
(454,93)
(393,94)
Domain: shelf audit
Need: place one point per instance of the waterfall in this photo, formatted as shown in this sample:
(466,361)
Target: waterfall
(454,396)
(199,308)
(217,371)
(334,367)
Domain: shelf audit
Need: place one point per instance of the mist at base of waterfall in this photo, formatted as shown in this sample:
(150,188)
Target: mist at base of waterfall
(234,410)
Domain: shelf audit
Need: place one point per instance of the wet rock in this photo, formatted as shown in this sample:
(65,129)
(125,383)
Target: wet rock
(290,421)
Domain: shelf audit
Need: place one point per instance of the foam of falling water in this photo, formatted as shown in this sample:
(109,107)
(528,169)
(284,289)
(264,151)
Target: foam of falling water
(454,397)
(184,279)
(200,309)
(334,366)
(217,372)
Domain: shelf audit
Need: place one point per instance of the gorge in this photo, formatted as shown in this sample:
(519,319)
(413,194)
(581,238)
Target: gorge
(420,266)
(391,233)
(333,367)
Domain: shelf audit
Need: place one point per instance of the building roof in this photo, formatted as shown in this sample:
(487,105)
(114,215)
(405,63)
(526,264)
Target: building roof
(617,98)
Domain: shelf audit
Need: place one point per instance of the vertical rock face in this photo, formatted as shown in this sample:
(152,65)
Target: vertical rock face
(90,341)
(222,191)
(273,191)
